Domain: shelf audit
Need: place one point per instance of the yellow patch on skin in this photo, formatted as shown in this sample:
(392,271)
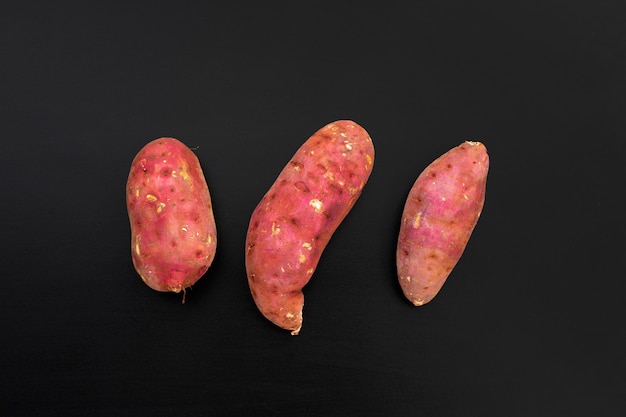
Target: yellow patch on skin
(418,218)
(160,207)
(301,257)
(316,204)
(184,175)
(137,246)
(369,159)
(275,229)
(418,302)
(307,245)
(151,198)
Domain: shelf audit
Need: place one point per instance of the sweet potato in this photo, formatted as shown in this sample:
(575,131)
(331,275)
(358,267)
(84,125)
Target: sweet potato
(294,221)
(173,233)
(440,214)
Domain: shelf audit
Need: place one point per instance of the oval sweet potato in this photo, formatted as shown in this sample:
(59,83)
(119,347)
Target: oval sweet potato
(439,216)
(294,221)
(173,232)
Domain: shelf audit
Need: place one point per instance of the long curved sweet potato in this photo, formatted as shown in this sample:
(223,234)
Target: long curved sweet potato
(173,232)
(296,218)
(440,214)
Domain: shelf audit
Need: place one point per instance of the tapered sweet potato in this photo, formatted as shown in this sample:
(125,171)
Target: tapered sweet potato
(173,233)
(296,218)
(439,216)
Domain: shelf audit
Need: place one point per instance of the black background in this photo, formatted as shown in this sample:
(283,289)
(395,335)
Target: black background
(528,324)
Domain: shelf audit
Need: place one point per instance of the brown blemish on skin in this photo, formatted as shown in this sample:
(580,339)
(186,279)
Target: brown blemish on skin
(351,167)
(296,165)
(324,136)
(336,189)
(301,186)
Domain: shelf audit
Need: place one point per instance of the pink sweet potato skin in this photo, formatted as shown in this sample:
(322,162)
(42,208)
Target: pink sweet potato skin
(296,218)
(173,233)
(439,216)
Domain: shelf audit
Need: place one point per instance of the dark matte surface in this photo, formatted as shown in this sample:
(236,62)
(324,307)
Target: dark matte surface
(529,324)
